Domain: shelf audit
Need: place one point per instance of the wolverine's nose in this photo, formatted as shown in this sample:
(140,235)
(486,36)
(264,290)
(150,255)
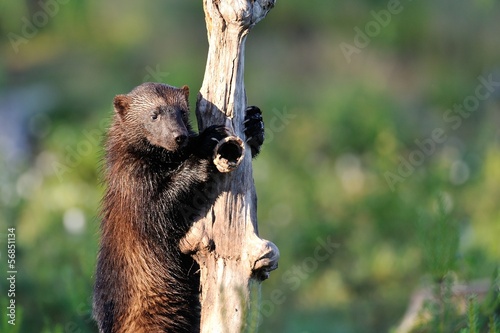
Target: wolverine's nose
(181,139)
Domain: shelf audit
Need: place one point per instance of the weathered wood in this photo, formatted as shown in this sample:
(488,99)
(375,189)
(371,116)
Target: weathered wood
(225,243)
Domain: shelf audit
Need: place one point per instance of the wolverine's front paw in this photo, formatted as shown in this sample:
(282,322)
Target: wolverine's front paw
(210,137)
(254,129)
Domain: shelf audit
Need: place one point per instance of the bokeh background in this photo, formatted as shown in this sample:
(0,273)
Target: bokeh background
(380,174)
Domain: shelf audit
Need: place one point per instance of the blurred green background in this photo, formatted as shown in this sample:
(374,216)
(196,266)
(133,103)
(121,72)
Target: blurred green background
(382,121)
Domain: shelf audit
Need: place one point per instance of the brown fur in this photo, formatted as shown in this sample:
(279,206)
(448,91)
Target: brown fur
(159,177)
(143,282)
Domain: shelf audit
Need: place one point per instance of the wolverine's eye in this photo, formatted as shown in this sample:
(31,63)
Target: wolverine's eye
(154,116)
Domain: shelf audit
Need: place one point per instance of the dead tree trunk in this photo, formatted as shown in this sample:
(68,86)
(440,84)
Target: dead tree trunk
(233,259)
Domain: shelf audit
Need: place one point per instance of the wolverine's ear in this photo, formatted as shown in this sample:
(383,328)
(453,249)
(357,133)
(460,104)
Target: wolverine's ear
(121,103)
(185,90)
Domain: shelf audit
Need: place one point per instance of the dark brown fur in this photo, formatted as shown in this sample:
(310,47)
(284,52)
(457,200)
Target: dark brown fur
(157,169)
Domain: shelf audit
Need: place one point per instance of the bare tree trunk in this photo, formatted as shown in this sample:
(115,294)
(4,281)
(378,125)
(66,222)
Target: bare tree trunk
(233,259)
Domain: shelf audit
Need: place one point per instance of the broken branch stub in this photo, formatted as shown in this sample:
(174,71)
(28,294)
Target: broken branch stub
(228,154)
